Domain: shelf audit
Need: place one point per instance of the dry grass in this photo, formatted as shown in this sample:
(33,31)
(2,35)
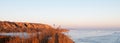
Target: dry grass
(47,34)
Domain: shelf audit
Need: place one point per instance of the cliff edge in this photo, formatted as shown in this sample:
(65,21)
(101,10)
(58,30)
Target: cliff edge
(6,26)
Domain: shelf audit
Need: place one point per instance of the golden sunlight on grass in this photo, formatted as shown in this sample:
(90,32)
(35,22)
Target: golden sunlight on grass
(38,33)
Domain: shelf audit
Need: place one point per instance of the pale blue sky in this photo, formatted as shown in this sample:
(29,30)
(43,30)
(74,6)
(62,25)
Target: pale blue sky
(69,13)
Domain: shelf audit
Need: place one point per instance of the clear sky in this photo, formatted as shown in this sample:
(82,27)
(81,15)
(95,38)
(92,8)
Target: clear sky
(68,13)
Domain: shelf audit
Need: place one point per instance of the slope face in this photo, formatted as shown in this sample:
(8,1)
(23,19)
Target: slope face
(6,26)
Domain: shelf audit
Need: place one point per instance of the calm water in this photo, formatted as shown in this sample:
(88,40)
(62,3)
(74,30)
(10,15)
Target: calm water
(94,36)
(20,34)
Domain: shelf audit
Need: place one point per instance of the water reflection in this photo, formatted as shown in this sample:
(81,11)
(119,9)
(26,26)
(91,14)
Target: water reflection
(20,34)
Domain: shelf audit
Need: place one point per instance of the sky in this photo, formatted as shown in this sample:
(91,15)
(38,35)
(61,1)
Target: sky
(67,13)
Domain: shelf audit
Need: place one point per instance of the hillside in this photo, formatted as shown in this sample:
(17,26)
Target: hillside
(31,33)
(6,26)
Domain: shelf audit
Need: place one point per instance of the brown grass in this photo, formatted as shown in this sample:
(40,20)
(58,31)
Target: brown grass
(43,37)
(47,34)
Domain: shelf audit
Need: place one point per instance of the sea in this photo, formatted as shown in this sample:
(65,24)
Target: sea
(94,36)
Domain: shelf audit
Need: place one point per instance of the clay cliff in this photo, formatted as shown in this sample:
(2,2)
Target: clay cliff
(6,26)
